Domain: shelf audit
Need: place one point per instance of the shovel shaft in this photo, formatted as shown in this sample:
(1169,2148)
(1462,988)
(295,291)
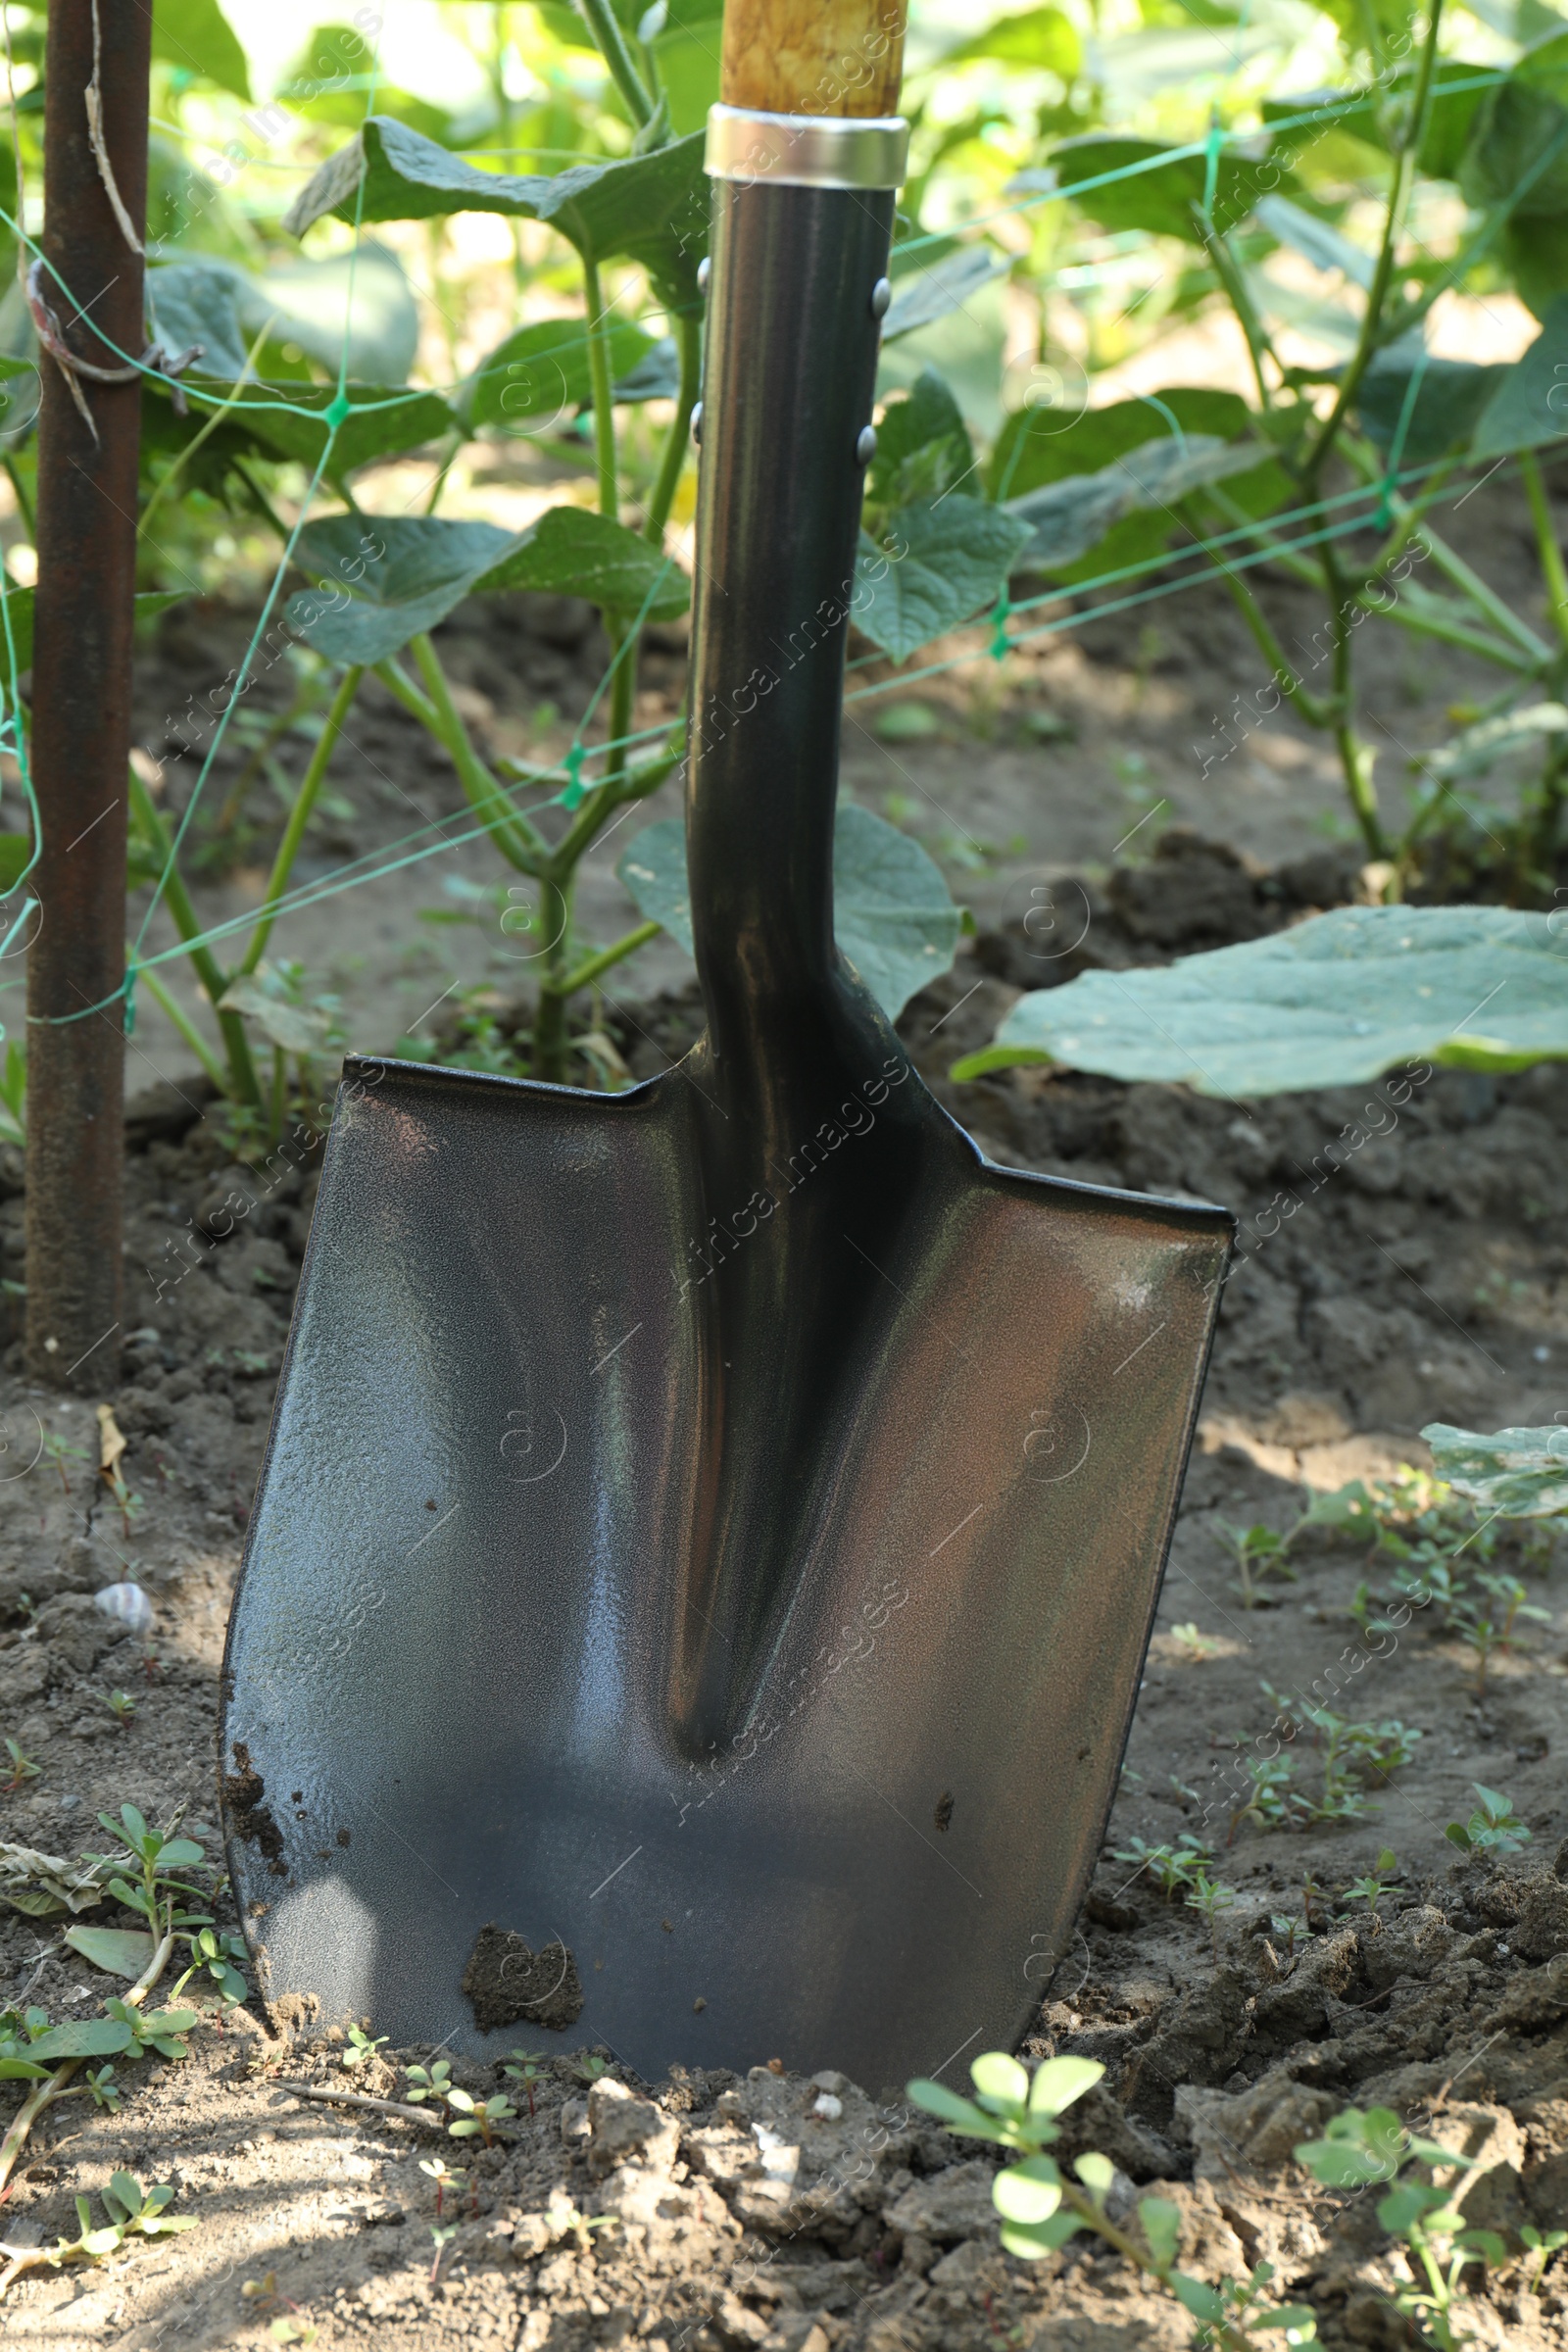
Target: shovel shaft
(786,399)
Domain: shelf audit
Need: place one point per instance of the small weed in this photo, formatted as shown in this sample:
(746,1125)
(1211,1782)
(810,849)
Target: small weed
(527,2070)
(1169,1866)
(133,2212)
(444,2176)
(1271,1801)
(1365,2147)
(1289,1927)
(428,2081)
(1195,1643)
(1489,1626)
(1259,1551)
(1493,1828)
(478,2117)
(362,2046)
(60,1450)
(22,1768)
(120,1704)
(1542,2245)
(1213,1898)
(441,2239)
(1040,2210)
(588,2066)
(1374,1887)
(1312,1892)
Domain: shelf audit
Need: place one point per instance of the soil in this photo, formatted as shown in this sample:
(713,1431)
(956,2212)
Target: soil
(1420,1278)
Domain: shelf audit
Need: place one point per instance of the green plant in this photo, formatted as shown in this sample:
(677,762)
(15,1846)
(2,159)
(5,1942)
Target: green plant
(428,2081)
(1041,2208)
(477,2117)
(1493,1828)
(22,1768)
(1488,1627)
(1365,2147)
(1169,1866)
(133,2212)
(528,2070)
(1543,2244)
(588,2066)
(59,1449)
(361,2047)
(1372,1888)
(1286,1924)
(120,1704)
(1211,1897)
(444,2176)
(440,2237)
(1196,1646)
(1259,1552)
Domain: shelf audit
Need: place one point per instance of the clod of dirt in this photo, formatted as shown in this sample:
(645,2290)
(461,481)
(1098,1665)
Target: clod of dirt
(507,1982)
(243,1792)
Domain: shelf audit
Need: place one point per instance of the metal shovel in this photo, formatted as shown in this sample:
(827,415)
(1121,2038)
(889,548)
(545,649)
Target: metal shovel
(709,1535)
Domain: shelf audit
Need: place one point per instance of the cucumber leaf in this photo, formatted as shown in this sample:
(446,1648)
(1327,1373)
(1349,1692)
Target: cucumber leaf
(1334,1001)
(892,914)
(651,209)
(942,561)
(1523,1473)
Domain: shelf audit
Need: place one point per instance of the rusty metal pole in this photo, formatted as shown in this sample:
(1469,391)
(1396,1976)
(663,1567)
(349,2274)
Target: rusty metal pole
(81,692)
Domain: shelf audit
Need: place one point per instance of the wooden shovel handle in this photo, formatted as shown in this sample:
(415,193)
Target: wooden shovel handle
(814,57)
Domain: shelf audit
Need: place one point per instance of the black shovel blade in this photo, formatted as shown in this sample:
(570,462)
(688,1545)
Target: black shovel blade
(749,1735)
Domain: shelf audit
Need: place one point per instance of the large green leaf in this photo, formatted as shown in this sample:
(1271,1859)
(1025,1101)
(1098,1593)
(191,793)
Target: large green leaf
(289,420)
(1068,518)
(651,209)
(353,309)
(571,552)
(1450,396)
(387,579)
(1038,40)
(1036,446)
(1163,190)
(121,1951)
(1529,403)
(923,296)
(942,561)
(1377,115)
(197,37)
(83,2038)
(543,371)
(1535,254)
(1521,1473)
(1518,149)
(925,422)
(1334,1002)
(892,914)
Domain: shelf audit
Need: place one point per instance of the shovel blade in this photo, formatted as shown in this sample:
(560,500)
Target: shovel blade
(451,1695)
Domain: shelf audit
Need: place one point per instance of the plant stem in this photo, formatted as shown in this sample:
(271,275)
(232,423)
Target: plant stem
(242,1083)
(550,1021)
(1551,563)
(1355,757)
(518,841)
(599,18)
(602,391)
(52,2087)
(1312,708)
(299,817)
(689,342)
(175,1014)
(624,947)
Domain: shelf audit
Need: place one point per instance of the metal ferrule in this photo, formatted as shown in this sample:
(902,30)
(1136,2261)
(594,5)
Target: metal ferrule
(805,151)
